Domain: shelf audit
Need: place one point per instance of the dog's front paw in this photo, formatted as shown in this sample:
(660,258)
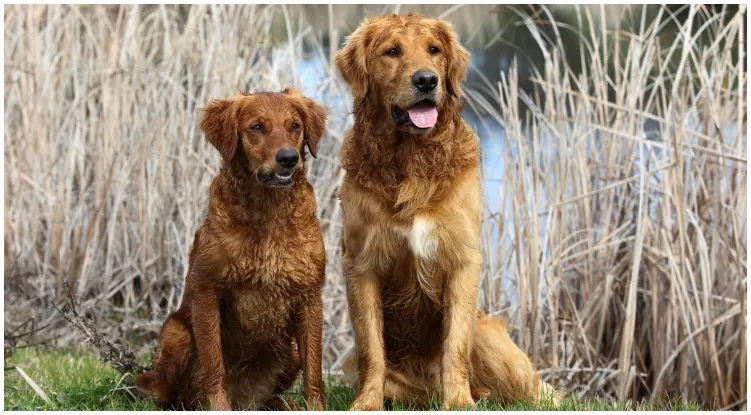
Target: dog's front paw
(219,402)
(316,404)
(368,401)
(458,401)
(280,404)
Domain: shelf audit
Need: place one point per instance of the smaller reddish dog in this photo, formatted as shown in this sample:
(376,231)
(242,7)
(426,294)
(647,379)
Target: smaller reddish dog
(251,313)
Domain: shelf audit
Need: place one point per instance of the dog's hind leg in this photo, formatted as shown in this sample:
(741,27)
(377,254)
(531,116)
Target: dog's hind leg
(149,383)
(169,383)
(404,387)
(399,385)
(501,369)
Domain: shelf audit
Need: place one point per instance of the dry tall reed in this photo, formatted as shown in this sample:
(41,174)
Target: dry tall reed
(619,252)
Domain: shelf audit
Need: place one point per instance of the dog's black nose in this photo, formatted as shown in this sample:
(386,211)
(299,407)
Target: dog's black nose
(425,81)
(287,157)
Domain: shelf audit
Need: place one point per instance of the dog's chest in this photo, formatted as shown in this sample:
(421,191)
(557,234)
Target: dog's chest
(266,279)
(423,243)
(261,312)
(421,237)
(285,262)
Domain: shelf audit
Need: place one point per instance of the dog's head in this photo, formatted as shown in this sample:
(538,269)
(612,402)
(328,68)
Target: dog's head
(415,66)
(265,132)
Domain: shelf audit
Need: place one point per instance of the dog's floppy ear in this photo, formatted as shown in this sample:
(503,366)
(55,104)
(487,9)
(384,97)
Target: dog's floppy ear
(351,60)
(314,120)
(220,124)
(315,125)
(457,58)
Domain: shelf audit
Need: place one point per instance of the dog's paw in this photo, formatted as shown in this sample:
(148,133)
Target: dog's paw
(368,402)
(316,404)
(480,393)
(548,393)
(285,405)
(219,402)
(458,401)
(457,394)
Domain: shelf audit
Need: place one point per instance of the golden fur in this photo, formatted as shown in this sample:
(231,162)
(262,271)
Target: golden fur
(251,313)
(411,206)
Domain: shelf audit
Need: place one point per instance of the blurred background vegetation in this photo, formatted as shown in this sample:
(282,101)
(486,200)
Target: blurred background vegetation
(614,162)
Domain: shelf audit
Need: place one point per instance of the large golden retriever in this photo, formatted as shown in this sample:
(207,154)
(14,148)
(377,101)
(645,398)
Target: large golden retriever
(411,206)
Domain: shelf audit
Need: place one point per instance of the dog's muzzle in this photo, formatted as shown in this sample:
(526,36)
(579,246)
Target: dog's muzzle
(279,178)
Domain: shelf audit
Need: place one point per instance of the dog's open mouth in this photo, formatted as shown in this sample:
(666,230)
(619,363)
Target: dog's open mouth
(281,178)
(422,115)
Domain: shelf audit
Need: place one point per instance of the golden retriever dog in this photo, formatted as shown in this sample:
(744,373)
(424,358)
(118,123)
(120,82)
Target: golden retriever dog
(251,314)
(411,206)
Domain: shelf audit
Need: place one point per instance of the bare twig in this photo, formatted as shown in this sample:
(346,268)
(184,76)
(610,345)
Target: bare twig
(109,352)
(16,339)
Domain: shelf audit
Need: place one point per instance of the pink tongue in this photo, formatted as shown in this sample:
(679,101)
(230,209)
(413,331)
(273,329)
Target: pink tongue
(423,116)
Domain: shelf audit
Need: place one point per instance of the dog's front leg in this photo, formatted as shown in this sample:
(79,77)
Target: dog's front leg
(460,298)
(206,324)
(366,311)
(309,331)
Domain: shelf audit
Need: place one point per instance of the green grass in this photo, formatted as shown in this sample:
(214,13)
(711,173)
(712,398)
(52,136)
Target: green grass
(72,381)
(78,381)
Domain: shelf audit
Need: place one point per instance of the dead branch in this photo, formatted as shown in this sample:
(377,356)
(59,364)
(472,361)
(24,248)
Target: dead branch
(22,336)
(109,352)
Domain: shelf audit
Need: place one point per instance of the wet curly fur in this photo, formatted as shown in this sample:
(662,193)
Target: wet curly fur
(411,207)
(251,313)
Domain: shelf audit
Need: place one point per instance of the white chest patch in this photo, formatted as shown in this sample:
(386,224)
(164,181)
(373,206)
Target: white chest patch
(422,239)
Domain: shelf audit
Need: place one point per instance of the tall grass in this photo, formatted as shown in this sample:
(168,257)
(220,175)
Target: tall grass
(619,252)
(629,210)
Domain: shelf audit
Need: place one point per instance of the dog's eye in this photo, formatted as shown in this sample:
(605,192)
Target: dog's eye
(433,50)
(256,127)
(393,52)
(295,126)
